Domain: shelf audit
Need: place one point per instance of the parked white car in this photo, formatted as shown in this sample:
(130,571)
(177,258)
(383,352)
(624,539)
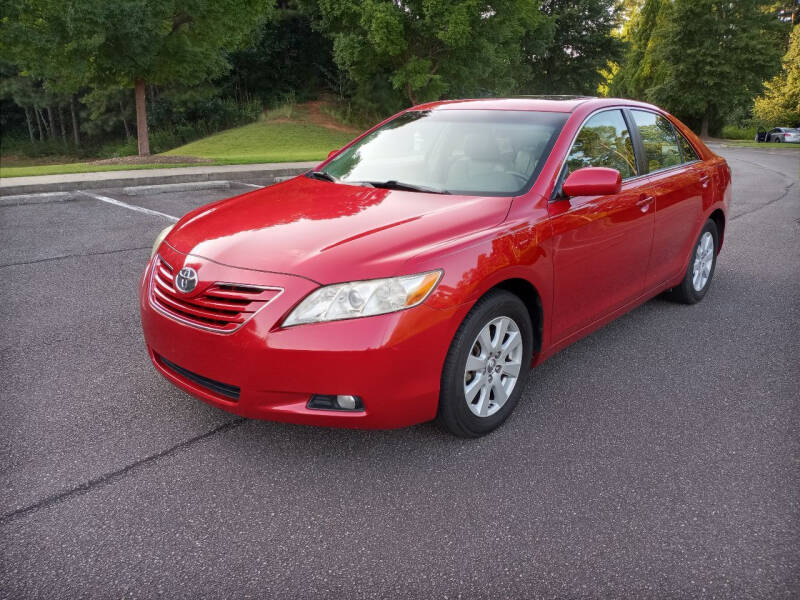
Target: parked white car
(784,134)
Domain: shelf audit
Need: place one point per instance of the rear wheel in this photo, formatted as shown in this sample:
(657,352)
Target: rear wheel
(487,366)
(701,267)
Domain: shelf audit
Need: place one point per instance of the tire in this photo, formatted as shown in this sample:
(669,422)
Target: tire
(478,339)
(693,287)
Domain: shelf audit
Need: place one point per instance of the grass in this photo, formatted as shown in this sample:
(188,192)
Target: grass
(288,133)
(752,144)
(77,168)
(267,141)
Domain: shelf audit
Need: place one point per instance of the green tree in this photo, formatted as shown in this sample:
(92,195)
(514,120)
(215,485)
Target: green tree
(424,49)
(580,47)
(637,72)
(701,59)
(128,43)
(780,102)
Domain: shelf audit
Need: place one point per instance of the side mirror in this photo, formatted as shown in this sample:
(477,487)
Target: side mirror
(332,152)
(593,181)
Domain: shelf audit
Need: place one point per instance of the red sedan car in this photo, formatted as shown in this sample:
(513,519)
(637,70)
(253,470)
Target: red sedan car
(422,270)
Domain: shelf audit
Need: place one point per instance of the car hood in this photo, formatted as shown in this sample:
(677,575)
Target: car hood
(330,232)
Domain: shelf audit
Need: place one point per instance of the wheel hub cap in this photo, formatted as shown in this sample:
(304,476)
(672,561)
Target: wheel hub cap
(493,366)
(703,261)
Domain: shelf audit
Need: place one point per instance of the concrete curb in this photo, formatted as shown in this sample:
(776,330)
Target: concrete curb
(263,173)
(141,190)
(46,198)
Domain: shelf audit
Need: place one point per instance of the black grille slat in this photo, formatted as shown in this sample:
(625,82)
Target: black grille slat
(223,389)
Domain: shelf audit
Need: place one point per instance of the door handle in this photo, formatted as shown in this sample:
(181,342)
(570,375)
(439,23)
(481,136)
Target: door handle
(704,179)
(644,203)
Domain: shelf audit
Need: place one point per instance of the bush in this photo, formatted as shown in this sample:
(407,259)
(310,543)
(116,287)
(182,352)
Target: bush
(22,146)
(736,132)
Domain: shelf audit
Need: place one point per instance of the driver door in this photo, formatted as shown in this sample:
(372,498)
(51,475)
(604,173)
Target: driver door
(601,244)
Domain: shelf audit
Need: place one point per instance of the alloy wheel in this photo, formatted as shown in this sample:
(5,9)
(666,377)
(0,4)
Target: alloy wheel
(703,261)
(493,366)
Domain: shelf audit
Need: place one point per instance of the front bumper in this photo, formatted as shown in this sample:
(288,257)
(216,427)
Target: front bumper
(393,362)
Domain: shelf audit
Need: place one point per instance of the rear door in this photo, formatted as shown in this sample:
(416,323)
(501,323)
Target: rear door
(601,244)
(678,181)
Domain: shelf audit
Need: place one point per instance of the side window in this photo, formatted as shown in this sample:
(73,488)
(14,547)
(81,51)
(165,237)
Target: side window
(688,152)
(658,138)
(604,141)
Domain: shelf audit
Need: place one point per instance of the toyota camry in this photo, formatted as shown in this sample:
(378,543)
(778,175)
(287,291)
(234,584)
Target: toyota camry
(423,270)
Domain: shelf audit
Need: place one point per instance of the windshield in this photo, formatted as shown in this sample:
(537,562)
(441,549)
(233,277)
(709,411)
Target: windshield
(471,152)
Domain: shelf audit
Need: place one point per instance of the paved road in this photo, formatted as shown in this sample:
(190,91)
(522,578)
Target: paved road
(658,458)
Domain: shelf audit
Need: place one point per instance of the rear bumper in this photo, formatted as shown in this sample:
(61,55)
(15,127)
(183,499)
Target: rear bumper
(393,362)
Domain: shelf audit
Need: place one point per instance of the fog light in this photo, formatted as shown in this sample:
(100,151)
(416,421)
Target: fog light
(331,402)
(347,402)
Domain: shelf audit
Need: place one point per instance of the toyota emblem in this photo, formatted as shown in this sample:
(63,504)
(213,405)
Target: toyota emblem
(186,280)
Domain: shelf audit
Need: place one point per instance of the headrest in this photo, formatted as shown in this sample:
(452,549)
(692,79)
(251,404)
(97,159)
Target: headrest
(481,148)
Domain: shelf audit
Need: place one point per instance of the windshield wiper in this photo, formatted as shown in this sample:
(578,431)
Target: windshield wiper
(393,184)
(321,175)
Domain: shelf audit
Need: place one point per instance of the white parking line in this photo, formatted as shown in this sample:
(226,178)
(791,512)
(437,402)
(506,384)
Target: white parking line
(140,209)
(252,185)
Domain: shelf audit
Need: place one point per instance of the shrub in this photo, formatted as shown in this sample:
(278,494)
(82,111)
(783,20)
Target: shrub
(736,132)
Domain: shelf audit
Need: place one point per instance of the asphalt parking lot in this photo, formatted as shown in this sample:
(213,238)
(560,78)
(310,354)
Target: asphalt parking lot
(657,458)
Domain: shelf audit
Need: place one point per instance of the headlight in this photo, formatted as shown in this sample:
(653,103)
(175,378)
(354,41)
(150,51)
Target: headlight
(160,238)
(363,298)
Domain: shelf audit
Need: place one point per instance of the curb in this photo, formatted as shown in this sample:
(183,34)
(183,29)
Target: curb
(165,188)
(269,173)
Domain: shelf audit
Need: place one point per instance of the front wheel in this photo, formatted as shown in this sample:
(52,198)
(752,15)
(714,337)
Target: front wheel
(487,366)
(701,267)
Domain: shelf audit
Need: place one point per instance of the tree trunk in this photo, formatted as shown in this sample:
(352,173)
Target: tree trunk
(704,126)
(52,122)
(38,123)
(61,122)
(28,121)
(46,125)
(124,120)
(142,134)
(74,122)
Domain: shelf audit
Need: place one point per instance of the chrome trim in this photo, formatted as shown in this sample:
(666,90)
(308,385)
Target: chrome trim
(183,321)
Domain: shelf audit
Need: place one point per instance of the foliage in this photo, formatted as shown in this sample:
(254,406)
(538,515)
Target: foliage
(700,59)
(286,56)
(115,43)
(637,71)
(71,44)
(419,50)
(780,102)
(215,64)
(580,46)
(735,132)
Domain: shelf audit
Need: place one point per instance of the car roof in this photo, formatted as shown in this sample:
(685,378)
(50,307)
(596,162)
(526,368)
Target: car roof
(565,104)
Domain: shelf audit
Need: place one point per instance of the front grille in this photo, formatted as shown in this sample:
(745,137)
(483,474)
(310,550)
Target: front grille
(221,307)
(223,389)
